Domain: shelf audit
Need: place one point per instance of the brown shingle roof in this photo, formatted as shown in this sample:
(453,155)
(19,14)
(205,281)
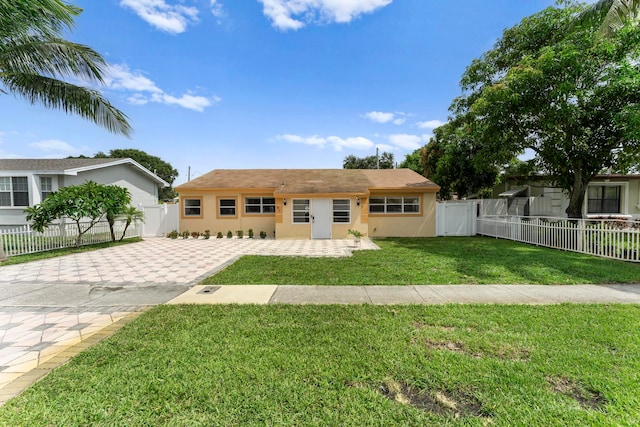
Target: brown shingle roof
(310,181)
(49,164)
(385,179)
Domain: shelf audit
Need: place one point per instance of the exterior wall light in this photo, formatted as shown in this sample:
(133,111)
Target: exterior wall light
(284,202)
(357,200)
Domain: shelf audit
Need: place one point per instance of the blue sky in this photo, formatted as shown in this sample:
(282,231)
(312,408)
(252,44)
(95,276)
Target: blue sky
(212,84)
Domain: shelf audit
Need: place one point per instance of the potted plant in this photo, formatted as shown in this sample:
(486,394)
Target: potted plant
(357,235)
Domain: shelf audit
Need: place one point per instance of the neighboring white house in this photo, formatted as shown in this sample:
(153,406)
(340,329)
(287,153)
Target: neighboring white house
(612,195)
(26,182)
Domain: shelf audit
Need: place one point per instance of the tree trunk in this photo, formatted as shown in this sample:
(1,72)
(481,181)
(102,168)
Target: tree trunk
(125,230)
(576,195)
(111,220)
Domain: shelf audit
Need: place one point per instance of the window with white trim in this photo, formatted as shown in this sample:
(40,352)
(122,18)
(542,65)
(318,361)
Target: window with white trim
(603,199)
(259,205)
(227,207)
(14,191)
(192,207)
(342,211)
(394,205)
(300,209)
(46,187)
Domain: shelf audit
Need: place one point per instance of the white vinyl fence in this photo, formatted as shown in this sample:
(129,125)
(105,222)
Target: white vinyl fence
(611,238)
(456,218)
(23,240)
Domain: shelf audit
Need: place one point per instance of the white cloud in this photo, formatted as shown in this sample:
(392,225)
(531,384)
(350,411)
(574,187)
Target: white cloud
(162,15)
(216,9)
(385,147)
(56,145)
(358,143)
(379,116)
(405,141)
(430,124)
(297,139)
(137,99)
(295,14)
(120,77)
(338,143)
(195,103)
(397,118)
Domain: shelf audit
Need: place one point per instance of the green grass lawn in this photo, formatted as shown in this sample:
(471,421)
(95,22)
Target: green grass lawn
(558,365)
(441,260)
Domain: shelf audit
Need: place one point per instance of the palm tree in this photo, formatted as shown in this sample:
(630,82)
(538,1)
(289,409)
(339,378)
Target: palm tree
(130,215)
(610,14)
(35,61)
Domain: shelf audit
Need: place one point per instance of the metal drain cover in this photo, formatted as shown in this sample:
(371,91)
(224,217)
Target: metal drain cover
(208,290)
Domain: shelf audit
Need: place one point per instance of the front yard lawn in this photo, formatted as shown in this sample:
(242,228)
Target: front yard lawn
(441,260)
(558,365)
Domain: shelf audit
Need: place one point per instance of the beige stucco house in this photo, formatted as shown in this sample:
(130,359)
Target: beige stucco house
(310,203)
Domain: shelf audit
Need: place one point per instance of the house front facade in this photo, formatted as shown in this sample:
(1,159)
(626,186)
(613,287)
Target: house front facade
(614,195)
(26,182)
(310,203)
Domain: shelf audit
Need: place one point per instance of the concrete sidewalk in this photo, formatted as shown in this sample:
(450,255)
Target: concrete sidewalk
(422,294)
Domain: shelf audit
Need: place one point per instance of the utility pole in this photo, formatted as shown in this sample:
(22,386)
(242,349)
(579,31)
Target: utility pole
(377,158)
(189,174)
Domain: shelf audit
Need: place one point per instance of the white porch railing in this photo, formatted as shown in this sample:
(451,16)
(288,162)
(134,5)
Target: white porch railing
(611,238)
(23,240)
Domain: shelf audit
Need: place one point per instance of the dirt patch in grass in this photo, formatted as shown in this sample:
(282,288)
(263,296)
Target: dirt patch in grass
(437,402)
(587,398)
(420,325)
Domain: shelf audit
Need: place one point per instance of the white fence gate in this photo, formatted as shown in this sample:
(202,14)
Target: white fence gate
(456,218)
(160,219)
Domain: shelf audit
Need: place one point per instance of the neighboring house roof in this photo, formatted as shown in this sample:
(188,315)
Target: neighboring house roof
(310,181)
(72,166)
(513,192)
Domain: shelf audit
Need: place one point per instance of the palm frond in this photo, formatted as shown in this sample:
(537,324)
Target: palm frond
(45,17)
(51,57)
(609,15)
(57,94)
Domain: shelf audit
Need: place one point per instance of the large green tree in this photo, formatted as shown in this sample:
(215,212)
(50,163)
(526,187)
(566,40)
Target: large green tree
(570,96)
(36,62)
(413,161)
(154,163)
(450,159)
